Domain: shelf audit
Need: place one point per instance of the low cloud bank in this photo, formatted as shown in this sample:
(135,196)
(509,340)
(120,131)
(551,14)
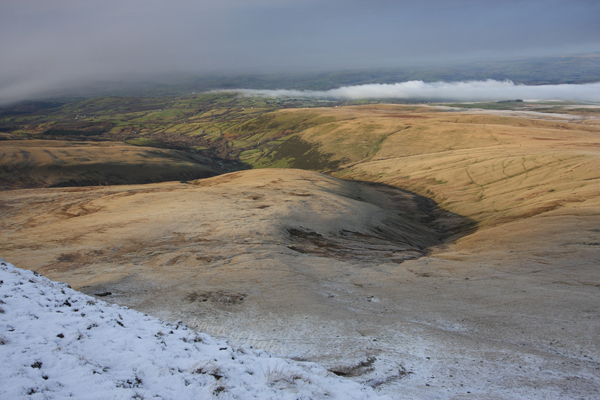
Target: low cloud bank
(489,90)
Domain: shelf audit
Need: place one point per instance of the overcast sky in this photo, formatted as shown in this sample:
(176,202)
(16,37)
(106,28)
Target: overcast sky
(47,43)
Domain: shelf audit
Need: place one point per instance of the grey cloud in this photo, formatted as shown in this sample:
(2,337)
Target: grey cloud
(54,44)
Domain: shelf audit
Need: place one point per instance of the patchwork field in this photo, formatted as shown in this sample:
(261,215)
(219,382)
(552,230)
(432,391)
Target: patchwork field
(479,282)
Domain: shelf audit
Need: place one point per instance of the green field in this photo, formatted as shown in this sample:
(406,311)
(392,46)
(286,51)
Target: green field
(225,126)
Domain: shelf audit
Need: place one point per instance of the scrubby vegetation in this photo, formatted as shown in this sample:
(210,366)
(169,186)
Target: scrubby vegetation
(227,132)
(221,126)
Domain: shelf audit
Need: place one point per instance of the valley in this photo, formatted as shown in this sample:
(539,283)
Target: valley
(427,251)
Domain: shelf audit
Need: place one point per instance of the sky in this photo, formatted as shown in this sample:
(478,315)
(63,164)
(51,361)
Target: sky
(48,44)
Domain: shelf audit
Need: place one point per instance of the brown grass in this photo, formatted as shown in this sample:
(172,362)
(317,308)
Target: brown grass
(47,163)
(492,168)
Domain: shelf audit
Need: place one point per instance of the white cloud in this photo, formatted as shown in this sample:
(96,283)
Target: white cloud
(489,90)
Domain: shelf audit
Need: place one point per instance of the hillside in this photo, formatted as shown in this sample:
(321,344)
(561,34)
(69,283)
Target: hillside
(491,166)
(481,282)
(51,163)
(57,343)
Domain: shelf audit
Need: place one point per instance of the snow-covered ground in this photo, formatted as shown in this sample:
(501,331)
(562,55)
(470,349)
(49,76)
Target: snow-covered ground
(56,343)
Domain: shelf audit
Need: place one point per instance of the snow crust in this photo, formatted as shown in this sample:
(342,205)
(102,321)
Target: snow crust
(57,343)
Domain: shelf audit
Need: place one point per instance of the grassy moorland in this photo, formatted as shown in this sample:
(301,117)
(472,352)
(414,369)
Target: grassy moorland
(493,282)
(220,126)
(129,140)
(51,163)
(476,164)
(338,271)
(490,167)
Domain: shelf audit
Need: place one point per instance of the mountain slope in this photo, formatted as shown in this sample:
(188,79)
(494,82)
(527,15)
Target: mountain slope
(58,343)
(47,163)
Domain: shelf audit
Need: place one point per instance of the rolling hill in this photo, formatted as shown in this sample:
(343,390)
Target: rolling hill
(446,253)
(52,163)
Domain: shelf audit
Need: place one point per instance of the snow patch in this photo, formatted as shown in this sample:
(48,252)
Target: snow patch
(57,343)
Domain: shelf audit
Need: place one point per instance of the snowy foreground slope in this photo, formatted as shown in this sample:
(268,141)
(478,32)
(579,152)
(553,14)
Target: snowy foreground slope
(57,343)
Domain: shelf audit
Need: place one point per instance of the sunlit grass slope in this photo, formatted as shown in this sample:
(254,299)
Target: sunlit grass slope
(489,167)
(43,163)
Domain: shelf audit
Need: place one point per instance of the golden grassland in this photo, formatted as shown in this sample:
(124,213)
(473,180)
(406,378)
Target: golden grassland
(491,168)
(496,286)
(44,163)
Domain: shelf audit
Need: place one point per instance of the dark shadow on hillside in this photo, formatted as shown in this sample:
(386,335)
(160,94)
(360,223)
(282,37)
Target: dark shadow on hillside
(449,225)
(416,225)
